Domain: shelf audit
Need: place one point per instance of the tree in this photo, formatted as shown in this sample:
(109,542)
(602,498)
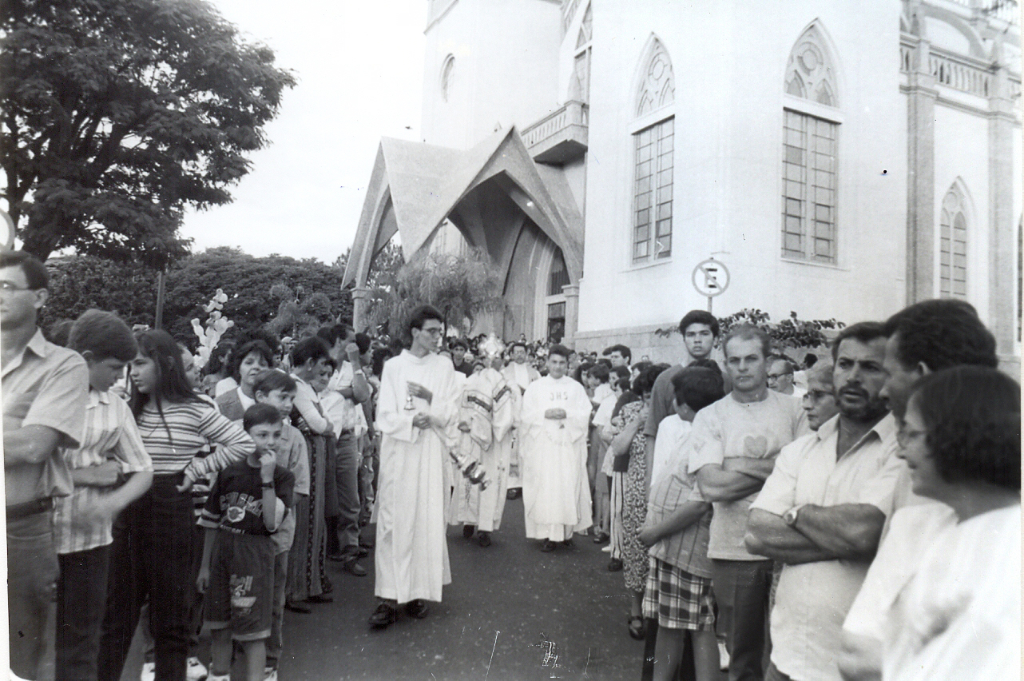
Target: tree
(117,114)
(461,287)
(78,283)
(248,281)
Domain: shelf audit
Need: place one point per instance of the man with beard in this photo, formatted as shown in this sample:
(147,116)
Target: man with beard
(822,510)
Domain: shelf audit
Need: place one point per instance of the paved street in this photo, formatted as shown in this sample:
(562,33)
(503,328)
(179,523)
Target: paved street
(511,613)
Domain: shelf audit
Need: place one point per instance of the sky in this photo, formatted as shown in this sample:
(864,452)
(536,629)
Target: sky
(359,67)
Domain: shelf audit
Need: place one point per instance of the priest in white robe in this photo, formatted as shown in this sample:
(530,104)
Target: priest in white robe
(485,432)
(556,491)
(416,417)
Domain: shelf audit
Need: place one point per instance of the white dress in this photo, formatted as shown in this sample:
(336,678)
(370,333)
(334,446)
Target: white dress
(411,557)
(556,490)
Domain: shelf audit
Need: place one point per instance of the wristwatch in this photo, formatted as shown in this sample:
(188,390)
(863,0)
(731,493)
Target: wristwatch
(268,485)
(790,516)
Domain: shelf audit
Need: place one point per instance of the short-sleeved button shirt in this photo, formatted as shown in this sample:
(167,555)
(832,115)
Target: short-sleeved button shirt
(46,385)
(813,598)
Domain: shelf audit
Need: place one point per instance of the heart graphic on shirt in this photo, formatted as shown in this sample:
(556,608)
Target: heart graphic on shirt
(755,447)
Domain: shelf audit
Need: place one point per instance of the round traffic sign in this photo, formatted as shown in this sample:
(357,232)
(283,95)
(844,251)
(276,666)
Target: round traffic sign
(710,278)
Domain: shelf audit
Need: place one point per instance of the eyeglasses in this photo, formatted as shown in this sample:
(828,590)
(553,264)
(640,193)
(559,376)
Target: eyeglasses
(9,286)
(904,435)
(775,377)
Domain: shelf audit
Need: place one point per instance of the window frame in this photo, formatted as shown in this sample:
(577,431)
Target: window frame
(650,122)
(833,116)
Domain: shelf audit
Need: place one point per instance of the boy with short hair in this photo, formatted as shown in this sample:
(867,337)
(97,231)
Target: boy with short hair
(276,388)
(240,517)
(678,591)
(111,451)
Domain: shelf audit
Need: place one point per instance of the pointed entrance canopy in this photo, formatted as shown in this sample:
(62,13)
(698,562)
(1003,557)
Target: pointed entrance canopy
(415,186)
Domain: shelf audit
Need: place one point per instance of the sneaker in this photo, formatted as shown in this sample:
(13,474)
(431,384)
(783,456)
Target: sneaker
(269,674)
(148,672)
(195,670)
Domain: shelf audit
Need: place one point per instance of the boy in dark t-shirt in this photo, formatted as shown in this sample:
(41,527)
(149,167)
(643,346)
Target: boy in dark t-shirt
(246,505)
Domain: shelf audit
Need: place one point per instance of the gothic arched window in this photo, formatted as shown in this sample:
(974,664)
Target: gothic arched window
(810,151)
(953,245)
(653,147)
(581,61)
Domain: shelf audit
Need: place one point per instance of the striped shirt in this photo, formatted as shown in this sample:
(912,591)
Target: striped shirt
(688,549)
(186,427)
(109,433)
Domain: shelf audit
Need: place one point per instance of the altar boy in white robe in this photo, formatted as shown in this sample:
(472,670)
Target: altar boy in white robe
(556,491)
(415,415)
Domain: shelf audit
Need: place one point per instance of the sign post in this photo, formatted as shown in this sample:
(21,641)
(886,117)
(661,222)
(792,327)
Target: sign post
(710,278)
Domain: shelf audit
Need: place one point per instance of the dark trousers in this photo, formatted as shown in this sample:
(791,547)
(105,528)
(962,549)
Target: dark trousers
(81,602)
(31,579)
(151,557)
(741,590)
(346,477)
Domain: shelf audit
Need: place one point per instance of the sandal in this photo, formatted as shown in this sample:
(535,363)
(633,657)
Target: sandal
(636,628)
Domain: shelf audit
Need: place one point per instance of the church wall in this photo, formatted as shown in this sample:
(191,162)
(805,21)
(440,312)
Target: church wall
(505,70)
(727,173)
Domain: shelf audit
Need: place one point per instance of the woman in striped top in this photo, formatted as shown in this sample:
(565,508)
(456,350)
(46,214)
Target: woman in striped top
(152,550)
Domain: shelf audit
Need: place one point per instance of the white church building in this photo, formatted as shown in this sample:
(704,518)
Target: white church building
(838,158)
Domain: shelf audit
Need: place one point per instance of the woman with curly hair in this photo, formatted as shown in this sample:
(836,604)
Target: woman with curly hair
(955,612)
(634,495)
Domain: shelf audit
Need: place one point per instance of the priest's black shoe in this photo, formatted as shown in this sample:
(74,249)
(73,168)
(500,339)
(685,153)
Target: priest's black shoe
(417,608)
(384,615)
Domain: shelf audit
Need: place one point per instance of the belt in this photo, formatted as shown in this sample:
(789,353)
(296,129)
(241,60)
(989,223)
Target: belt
(28,508)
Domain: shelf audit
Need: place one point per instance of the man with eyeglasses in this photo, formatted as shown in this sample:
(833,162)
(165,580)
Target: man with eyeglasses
(45,392)
(921,339)
(419,399)
(822,510)
(780,377)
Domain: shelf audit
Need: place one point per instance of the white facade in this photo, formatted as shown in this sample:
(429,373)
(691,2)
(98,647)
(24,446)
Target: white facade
(713,82)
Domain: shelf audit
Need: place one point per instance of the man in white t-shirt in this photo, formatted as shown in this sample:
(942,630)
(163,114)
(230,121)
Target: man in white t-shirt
(734,443)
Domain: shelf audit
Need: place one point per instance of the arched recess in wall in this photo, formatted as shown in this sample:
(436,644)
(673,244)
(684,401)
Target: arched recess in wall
(447,76)
(955,223)
(810,158)
(652,138)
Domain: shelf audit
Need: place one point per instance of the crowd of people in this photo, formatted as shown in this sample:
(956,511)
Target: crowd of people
(854,517)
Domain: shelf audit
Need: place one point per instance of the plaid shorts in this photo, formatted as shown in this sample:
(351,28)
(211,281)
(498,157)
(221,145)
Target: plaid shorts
(678,599)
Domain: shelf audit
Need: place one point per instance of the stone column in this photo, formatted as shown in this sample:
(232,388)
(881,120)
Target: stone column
(572,313)
(360,300)
(921,98)
(1002,226)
